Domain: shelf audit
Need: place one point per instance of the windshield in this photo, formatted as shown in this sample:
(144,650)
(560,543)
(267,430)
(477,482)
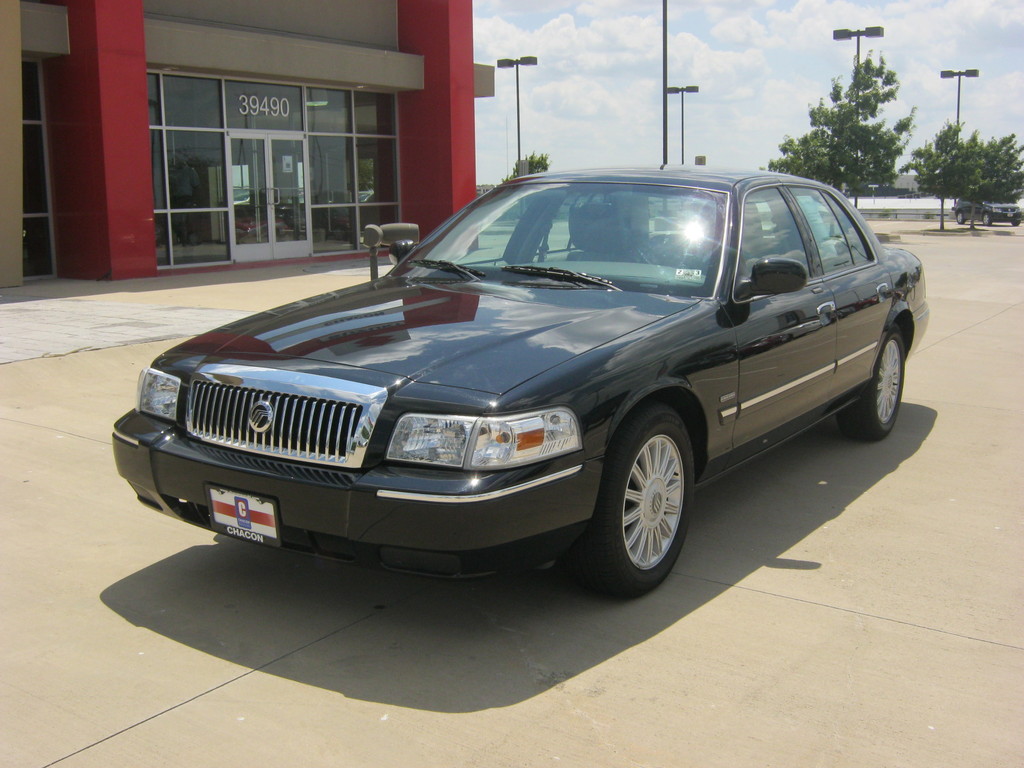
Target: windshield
(655,239)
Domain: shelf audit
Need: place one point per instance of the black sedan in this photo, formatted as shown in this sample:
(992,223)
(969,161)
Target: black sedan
(988,213)
(547,376)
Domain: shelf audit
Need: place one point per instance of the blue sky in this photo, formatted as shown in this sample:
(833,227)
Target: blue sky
(594,98)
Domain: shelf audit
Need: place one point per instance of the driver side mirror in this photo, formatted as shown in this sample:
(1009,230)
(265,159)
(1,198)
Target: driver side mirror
(400,249)
(772,276)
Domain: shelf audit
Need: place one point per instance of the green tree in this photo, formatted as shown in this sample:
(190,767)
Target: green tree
(947,166)
(970,169)
(537,163)
(849,145)
(1001,177)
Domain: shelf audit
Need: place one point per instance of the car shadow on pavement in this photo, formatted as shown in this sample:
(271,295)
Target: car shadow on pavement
(461,646)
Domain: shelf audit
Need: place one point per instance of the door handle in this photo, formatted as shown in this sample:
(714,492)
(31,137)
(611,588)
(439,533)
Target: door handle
(825,312)
(883,291)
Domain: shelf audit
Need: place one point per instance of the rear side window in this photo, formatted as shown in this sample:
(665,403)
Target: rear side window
(854,238)
(769,230)
(839,241)
(833,248)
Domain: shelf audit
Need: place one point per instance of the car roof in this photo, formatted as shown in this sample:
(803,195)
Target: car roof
(717,179)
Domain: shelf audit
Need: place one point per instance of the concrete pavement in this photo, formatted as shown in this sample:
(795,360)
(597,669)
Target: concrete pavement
(837,604)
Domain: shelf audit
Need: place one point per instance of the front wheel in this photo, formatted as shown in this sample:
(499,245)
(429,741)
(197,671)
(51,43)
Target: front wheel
(960,218)
(873,415)
(642,511)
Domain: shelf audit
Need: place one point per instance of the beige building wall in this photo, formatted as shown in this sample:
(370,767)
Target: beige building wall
(10,144)
(364,22)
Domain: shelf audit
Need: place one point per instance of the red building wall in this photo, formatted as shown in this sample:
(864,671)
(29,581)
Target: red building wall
(436,126)
(98,126)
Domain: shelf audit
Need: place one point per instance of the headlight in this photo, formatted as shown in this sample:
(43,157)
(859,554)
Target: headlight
(486,442)
(158,394)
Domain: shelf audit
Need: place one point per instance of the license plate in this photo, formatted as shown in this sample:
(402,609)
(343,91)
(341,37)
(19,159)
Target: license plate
(244,516)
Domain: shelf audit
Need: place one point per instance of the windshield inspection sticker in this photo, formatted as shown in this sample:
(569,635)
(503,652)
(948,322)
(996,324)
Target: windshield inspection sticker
(690,274)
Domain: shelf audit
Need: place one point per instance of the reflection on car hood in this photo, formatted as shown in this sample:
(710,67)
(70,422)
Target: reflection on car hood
(475,335)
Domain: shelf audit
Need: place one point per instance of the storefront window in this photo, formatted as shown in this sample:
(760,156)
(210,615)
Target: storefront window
(36,253)
(31,104)
(328,111)
(156,144)
(330,158)
(375,113)
(163,251)
(33,169)
(195,169)
(333,174)
(378,214)
(199,237)
(376,170)
(153,83)
(192,102)
(263,106)
(333,229)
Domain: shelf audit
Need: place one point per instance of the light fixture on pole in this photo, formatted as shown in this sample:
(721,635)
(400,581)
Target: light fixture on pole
(949,74)
(524,61)
(682,90)
(846,34)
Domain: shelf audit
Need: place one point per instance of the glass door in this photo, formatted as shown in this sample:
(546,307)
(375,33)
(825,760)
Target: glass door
(288,188)
(268,184)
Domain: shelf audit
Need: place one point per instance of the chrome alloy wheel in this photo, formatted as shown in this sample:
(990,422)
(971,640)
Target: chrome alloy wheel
(888,381)
(653,502)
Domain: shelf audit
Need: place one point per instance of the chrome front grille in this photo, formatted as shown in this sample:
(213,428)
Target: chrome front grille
(283,415)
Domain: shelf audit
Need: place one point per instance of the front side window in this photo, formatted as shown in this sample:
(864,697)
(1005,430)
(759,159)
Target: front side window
(768,231)
(655,239)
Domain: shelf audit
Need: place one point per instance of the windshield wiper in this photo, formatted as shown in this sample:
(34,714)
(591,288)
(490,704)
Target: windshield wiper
(448,266)
(557,273)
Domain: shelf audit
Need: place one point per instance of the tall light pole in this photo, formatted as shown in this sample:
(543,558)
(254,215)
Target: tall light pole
(949,74)
(664,82)
(846,34)
(682,90)
(525,61)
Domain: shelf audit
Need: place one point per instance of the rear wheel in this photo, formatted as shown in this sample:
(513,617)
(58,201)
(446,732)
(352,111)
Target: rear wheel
(960,219)
(873,415)
(641,515)
(986,219)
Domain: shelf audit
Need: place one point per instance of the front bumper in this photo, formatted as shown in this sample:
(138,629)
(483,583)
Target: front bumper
(442,522)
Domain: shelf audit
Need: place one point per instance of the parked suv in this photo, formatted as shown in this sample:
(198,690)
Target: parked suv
(987,213)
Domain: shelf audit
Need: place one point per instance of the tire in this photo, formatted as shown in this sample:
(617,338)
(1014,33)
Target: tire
(986,219)
(960,218)
(1015,223)
(873,415)
(642,511)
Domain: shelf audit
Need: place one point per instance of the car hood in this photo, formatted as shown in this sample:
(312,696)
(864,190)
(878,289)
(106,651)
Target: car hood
(475,335)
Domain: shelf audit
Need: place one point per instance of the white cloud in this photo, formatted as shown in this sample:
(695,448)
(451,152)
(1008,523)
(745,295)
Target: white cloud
(595,98)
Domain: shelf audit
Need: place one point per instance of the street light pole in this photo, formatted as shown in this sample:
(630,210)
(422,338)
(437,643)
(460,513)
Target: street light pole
(857,34)
(664,82)
(948,74)
(682,90)
(524,61)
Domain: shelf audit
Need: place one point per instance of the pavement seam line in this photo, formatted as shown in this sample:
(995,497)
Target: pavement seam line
(855,612)
(58,431)
(235,679)
(971,327)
